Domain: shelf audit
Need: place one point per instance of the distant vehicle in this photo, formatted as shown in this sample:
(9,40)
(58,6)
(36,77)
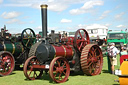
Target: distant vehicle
(118,37)
(97,33)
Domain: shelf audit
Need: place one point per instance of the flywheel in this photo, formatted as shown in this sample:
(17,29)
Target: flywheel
(28,38)
(81,39)
(91,60)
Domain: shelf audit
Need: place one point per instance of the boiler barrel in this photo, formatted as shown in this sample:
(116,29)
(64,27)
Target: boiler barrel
(12,48)
(45,52)
(63,50)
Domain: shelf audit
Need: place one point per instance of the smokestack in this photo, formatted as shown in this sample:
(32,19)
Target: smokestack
(44,20)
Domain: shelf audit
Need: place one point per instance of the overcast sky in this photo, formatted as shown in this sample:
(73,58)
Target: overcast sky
(67,15)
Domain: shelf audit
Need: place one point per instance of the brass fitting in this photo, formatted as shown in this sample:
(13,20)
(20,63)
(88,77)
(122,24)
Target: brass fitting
(44,6)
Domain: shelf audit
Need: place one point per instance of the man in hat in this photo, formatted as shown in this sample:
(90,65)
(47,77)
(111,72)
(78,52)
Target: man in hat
(112,53)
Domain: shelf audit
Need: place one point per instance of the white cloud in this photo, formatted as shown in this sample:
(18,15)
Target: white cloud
(93,25)
(49,28)
(10,15)
(1,1)
(27,1)
(51,6)
(85,26)
(96,26)
(37,6)
(54,5)
(121,26)
(18,5)
(50,0)
(11,21)
(105,14)
(82,26)
(85,8)
(108,24)
(119,16)
(65,21)
(91,4)
(57,7)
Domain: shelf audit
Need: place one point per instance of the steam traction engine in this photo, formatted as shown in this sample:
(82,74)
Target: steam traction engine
(14,49)
(60,55)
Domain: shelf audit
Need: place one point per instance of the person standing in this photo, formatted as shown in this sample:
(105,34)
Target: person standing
(108,59)
(123,51)
(112,53)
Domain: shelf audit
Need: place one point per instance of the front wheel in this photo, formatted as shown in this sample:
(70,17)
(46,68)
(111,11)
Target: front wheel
(7,63)
(59,69)
(29,72)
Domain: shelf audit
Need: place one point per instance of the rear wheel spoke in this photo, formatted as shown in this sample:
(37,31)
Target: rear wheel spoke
(80,34)
(56,74)
(30,73)
(90,64)
(64,73)
(64,64)
(58,63)
(60,76)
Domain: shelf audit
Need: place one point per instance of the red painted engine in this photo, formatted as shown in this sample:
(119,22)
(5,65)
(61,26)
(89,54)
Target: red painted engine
(60,55)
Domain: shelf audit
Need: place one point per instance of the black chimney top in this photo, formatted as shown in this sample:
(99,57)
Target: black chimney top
(44,20)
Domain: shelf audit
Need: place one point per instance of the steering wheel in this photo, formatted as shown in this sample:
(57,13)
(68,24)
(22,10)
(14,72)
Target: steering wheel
(28,38)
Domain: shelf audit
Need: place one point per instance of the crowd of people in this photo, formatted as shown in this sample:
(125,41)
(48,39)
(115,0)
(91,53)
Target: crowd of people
(112,54)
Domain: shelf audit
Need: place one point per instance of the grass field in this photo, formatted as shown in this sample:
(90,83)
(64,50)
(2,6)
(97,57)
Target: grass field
(77,78)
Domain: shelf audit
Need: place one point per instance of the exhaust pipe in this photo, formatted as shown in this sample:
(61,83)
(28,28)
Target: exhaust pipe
(44,20)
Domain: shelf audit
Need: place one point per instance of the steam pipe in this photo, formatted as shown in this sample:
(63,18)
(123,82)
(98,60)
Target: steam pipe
(44,20)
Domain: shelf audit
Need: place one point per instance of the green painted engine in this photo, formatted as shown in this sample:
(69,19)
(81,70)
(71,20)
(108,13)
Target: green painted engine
(14,49)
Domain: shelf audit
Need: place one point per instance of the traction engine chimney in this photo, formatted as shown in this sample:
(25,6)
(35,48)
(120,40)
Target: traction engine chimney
(44,20)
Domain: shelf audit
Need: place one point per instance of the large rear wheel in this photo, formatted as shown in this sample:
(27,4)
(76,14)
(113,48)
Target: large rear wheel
(91,59)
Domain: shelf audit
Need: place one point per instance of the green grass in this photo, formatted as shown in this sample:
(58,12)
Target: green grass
(77,78)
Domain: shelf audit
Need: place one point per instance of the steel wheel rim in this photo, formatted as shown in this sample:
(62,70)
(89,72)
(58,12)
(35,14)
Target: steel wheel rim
(91,60)
(59,70)
(8,63)
(29,72)
(80,41)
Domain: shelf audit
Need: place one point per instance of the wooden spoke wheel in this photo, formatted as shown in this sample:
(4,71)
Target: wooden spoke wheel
(81,39)
(28,38)
(59,69)
(7,63)
(29,71)
(91,59)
